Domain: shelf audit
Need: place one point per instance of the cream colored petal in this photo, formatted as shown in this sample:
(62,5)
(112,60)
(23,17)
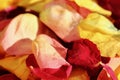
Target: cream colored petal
(62,21)
(24,26)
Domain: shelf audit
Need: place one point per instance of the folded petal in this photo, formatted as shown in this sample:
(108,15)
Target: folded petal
(50,57)
(17,66)
(61,19)
(24,26)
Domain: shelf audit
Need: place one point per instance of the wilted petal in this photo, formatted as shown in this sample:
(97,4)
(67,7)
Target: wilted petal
(24,26)
(17,66)
(62,20)
(50,55)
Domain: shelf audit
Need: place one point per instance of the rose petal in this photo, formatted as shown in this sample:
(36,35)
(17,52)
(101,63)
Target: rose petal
(17,66)
(84,53)
(4,23)
(55,15)
(93,6)
(20,28)
(35,5)
(21,47)
(50,55)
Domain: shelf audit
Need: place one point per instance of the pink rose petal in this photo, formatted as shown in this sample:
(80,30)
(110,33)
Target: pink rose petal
(50,57)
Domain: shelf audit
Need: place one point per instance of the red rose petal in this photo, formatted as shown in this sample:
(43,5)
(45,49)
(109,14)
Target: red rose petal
(4,23)
(114,6)
(84,53)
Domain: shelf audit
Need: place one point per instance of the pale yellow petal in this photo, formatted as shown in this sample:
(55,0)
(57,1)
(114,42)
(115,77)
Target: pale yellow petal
(93,6)
(36,5)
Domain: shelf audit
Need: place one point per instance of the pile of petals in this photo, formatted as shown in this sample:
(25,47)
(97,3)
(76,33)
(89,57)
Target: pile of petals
(59,40)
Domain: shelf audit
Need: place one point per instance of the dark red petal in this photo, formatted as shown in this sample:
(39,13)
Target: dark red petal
(30,61)
(8,77)
(117,23)
(3,15)
(84,53)
(105,60)
(4,23)
(114,7)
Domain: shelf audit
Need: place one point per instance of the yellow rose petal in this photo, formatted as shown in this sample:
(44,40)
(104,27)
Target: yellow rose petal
(17,66)
(36,5)
(93,6)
